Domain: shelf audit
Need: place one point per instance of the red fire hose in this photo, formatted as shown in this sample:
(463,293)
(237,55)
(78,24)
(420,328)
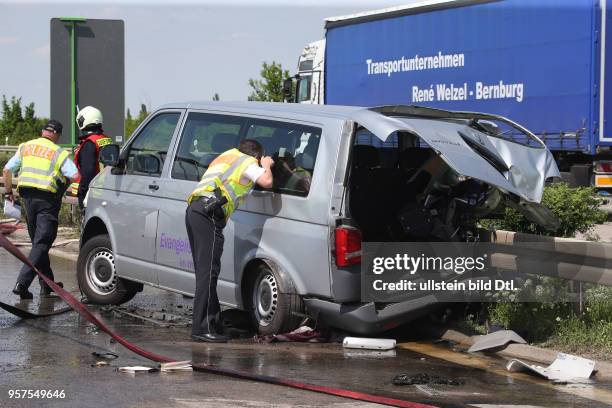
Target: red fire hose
(83,311)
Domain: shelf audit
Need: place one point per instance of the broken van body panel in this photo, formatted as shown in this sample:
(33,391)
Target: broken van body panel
(519,169)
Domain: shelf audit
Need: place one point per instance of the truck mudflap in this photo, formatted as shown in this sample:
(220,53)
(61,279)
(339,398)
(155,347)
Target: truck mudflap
(518,170)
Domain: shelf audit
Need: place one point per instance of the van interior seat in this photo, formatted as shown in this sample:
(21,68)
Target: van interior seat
(219,143)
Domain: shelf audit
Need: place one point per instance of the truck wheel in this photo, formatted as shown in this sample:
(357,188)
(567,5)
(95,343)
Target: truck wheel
(97,276)
(274,306)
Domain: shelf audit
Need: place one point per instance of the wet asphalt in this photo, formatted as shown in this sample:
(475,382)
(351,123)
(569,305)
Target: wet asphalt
(55,353)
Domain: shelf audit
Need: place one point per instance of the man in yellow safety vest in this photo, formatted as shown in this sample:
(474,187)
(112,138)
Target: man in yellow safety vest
(226,182)
(44,173)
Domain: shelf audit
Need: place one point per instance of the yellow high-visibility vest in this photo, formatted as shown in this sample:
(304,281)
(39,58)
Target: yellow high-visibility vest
(41,163)
(225,172)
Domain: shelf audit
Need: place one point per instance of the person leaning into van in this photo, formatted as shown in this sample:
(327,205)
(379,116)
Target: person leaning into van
(227,181)
(45,169)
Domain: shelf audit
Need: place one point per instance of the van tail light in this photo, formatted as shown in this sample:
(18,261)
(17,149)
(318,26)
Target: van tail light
(603,167)
(348,246)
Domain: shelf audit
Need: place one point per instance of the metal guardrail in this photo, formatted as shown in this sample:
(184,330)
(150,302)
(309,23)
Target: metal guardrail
(566,258)
(8,149)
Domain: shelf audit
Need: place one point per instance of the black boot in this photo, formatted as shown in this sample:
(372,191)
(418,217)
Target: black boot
(22,291)
(46,291)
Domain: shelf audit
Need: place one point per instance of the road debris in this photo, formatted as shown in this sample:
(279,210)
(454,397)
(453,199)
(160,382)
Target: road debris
(365,343)
(137,369)
(106,356)
(423,378)
(565,368)
(176,366)
(494,340)
(303,334)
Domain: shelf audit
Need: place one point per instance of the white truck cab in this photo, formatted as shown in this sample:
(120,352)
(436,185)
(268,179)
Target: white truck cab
(310,76)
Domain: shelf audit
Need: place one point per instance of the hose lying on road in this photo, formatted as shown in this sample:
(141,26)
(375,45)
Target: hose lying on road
(83,311)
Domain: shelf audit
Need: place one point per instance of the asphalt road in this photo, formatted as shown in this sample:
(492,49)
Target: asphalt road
(55,353)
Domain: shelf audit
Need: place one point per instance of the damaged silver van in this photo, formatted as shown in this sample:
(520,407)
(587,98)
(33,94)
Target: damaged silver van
(343,175)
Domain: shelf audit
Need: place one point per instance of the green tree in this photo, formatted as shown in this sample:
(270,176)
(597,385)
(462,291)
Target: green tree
(270,87)
(132,123)
(18,124)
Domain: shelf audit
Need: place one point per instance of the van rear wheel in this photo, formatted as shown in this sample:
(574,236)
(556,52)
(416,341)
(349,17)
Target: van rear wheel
(97,276)
(274,305)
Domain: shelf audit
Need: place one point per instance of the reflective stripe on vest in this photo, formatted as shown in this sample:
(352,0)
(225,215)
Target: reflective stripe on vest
(41,163)
(99,141)
(225,172)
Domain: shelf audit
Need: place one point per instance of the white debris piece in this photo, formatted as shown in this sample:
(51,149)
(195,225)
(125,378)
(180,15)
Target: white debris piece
(365,343)
(566,367)
(137,369)
(175,366)
(495,339)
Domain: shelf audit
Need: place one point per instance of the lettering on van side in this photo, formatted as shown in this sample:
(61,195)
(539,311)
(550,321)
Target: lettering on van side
(178,245)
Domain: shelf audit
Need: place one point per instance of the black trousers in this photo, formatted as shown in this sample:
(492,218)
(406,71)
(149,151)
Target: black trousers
(42,211)
(205,232)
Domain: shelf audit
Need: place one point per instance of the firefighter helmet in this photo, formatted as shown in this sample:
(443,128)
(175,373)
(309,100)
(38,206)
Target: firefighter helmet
(89,116)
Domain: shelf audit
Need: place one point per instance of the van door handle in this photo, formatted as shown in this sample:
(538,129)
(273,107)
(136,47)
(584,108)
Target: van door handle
(153,187)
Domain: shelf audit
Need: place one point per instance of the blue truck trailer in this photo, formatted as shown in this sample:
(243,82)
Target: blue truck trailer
(540,63)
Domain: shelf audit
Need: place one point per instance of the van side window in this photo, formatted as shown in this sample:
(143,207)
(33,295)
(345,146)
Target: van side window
(148,152)
(205,136)
(294,151)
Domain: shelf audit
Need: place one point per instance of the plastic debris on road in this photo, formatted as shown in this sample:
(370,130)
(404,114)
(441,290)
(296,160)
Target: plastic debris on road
(366,343)
(565,368)
(495,340)
(137,369)
(176,366)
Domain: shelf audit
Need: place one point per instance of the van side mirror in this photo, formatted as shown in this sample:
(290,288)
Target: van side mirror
(288,90)
(109,155)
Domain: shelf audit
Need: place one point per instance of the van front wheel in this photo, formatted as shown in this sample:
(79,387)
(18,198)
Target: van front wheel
(274,305)
(97,275)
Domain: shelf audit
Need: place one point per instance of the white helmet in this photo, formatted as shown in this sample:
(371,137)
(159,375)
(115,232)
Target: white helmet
(89,116)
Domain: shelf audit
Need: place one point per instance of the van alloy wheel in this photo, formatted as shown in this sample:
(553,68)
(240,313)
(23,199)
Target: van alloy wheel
(101,274)
(265,299)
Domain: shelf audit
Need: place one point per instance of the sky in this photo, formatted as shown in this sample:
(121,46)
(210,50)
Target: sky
(174,51)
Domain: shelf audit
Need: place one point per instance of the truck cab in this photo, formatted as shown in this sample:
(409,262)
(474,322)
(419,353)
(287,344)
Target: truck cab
(309,79)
